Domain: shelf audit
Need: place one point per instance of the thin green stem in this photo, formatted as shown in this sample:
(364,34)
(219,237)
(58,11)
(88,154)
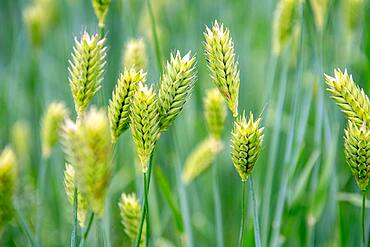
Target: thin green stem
(363,218)
(145,203)
(217,205)
(24,226)
(101,31)
(40,199)
(257,234)
(147,218)
(75,222)
(155,35)
(87,230)
(243,215)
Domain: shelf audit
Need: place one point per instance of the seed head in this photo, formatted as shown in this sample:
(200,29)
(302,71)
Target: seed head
(21,139)
(87,146)
(120,104)
(357,152)
(176,85)
(51,123)
(246,142)
(101,8)
(144,123)
(130,213)
(219,50)
(135,55)
(319,8)
(283,23)
(69,185)
(7,185)
(86,70)
(215,112)
(349,97)
(201,158)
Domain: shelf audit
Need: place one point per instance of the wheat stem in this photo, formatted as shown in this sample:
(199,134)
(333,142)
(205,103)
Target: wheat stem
(75,220)
(40,197)
(147,218)
(155,34)
(101,31)
(86,233)
(145,208)
(217,205)
(257,234)
(363,218)
(24,226)
(243,215)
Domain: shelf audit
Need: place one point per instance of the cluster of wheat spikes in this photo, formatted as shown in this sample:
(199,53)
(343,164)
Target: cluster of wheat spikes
(355,104)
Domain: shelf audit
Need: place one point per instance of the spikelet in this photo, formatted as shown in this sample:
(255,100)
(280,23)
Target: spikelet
(246,142)
(120,104)
(50,126)
(353,10)
(101,8)
(349,97)
(357,152)
(219,50)
(87,146)
(201,158)
(130,213)
(283,23)
(21,140)
(215,112)
(7,185)
(319,9)
(135,55)
(176,85)
(144,123)
(69,185)
(86,69)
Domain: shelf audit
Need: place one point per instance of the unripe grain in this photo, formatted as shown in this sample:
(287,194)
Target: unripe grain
(135,55)
(215,112)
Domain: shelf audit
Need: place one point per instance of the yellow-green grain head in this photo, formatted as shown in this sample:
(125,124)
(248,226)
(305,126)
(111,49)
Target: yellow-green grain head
(7,185)
(21,136)
(144,123)
(176,85)
(349,97)
(201,158)
(246,144)
(357,152)
(130,216)
(283,23)
(88,149)
(69,185)
(120,105)
(86,69)
(220,55)
(101,9)
(50,126)
(215,112)
(319,9)
(135,55)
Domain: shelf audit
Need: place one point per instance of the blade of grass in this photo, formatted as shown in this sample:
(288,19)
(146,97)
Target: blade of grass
(155,34)
(87,230)
(217,206)
(75,221)
(24,226)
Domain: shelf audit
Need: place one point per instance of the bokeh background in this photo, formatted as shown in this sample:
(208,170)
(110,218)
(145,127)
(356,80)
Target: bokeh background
(305,192)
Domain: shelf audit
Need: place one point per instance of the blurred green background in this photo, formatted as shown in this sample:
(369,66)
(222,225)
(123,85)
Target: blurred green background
(314,200)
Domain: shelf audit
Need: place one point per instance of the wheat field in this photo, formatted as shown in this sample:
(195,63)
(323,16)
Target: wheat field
(184,123)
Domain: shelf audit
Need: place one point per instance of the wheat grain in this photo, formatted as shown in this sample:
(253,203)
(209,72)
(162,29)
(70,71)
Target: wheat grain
(357,152)
(120,104)
(101,8)
(86,69)
(219,50)
(135,55)
(176,85)
(215,112)
(246,142)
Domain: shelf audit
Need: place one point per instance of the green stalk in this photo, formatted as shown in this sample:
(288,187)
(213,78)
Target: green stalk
(243,215)
(101,31)
(363,218)
(87,230)
(75,222)
(40,199)
(257,234)
(24,226)
(144,210)
(147,218)
(217,205)
(156,40)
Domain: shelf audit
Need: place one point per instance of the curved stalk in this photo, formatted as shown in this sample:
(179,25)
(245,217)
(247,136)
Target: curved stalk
(86,233)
